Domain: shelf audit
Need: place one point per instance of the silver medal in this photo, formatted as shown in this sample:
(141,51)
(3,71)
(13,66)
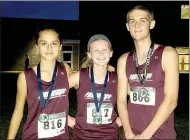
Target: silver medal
(98,118)
(43,117)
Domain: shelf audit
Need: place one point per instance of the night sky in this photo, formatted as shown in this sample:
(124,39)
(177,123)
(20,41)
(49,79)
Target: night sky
(109,18)
(98,17)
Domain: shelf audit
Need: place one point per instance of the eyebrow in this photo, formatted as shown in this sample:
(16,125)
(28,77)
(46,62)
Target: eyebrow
(47,41)
(140,18)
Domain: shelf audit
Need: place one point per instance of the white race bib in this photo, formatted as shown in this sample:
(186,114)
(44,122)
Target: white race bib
(143,95)
(51,125)
(102,117)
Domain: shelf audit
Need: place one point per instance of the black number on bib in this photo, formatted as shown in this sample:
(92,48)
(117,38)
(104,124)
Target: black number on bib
(106,114)
(147,99)
(46,125)
(59,123)
(94,113)
(134,96)
(53,125)
(140,98)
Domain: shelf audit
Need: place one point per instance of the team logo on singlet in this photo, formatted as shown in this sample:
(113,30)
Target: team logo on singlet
(89,95)
(55,93)
(135,78)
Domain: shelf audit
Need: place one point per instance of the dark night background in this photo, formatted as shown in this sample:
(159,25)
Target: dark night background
(96,17)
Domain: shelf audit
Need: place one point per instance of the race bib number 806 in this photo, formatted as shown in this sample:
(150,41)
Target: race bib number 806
(143,95)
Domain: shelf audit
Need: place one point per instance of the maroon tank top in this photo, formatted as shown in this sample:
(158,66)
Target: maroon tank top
(140,115)
(57,108)
(84,127)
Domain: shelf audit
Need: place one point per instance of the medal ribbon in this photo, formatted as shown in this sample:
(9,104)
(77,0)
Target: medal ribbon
(143,78)
(94,90)
(40,92)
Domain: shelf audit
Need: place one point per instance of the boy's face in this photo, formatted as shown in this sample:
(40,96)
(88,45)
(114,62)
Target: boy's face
(139,24)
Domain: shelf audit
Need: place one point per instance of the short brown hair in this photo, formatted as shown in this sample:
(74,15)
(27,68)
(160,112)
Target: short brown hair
(143,8)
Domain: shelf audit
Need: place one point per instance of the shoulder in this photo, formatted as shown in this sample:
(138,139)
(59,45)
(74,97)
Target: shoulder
(123,56)
(84,70)
(67,67)
(169,53)
(122,60)
(169,56)
(21,77)
(168,50)
(113,74)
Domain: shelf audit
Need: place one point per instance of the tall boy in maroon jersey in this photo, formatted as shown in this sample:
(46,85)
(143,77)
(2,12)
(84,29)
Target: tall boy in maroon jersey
(96,95)
(149,74)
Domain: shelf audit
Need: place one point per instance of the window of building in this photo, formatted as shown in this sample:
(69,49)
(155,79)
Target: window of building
(184,11)
(67,55)
(183,59)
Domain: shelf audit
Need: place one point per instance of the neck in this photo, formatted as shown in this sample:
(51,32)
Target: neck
(100,70)
(99,73)
(142,46)
(47,65)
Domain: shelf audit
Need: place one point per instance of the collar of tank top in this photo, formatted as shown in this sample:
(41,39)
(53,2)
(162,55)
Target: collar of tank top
(90,76)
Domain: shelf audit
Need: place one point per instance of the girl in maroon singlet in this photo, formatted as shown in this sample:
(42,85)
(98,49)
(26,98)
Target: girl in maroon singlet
(96,95)
(50,121)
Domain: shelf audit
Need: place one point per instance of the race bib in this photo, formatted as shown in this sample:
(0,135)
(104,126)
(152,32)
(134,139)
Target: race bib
(51,125)
(102,117)
(143,95)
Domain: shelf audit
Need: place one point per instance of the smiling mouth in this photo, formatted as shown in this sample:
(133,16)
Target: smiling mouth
(100,59)
(138,31)
(49,53)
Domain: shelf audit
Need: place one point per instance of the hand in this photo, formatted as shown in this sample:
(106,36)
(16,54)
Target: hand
(118,121)
(111,68)
(140,137)
(130,136)
(71,121)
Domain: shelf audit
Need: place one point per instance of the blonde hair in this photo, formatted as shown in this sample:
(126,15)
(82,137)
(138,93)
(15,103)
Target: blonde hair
(87,62)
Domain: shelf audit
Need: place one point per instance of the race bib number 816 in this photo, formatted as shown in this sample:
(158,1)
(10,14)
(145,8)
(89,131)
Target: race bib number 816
(51,125)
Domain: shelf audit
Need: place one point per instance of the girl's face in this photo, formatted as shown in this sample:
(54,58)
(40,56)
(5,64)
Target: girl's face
(48,45)
(100,52)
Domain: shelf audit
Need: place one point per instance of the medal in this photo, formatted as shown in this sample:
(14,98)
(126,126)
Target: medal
(43,117)
(40,91)
(97,120)
(98,117)
(142,79)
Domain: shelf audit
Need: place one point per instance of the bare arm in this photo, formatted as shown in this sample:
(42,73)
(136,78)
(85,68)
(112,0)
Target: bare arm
(71,120)
(73,82)
(19,106)
(171,86)
(69,72)
(122,90)
(68,69)
(74,79)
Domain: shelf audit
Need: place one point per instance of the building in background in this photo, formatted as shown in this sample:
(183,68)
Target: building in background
(183,59)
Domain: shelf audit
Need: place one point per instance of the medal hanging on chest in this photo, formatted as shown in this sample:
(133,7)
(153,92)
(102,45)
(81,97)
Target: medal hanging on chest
(40,91)
(142,79)
(98,118)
